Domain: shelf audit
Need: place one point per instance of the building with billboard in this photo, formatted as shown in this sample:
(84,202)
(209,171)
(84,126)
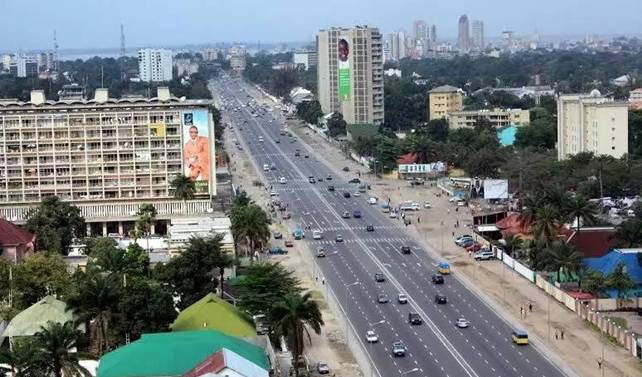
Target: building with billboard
(106,156)
(350,73)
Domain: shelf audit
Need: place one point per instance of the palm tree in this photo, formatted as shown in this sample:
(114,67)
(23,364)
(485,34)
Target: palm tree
(580,210)
(56,345)
(250,225)
(546,224)
(146,216)
(22,359)
(620,280)
(594,282)
(184,189)
(530,204)
(95,304)
(629,234)
(222,260)
(291,319)
(561,257)
(512,244)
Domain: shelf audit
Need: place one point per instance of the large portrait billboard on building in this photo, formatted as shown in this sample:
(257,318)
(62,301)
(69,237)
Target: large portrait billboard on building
(196,148)
(343,56)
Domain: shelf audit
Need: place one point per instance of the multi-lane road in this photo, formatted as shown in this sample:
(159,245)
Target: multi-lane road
(435,348)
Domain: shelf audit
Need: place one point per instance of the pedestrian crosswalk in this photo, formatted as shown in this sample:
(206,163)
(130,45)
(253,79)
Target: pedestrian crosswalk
(365,240)
(357,228)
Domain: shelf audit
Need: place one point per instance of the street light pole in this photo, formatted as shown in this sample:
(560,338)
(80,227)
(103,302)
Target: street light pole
(347,286)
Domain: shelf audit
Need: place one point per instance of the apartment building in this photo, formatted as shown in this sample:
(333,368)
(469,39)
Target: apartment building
(591,123)
(497,117)
(477,40)
(350,73)
(443,100)
(155,65)
(105,155)
(306,59)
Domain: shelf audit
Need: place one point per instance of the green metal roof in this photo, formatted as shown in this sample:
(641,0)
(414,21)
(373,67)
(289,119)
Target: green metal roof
(174,353)
(213,313)
(30,321)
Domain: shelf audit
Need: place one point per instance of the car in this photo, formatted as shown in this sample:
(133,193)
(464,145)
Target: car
(484,254)
(414,319)
(356,194)
(323,368)
(282,180)
(475,247)
(328,178)
(312,180)
(286,216)
(398,349)
(330,188)
(266,167)
(462,323)
(338,238)
(356,214)
(382,298)
(274,193)
(320,179)
(355,180)
(370,228)
(317,235)
(405,249)
(463,238)
(402,298)
(379,277)
(289,243)
(455,199)
(345,168)
(371,337)
(440,299)
(372,200)
(272,166)
(321,253)
(278,251)
(409,206)
(277,235)
(278,141)
(466,243)
(306,156)
(437,279)
(345,215)
(298,233)
(346,194)
(297,154)
(427,205)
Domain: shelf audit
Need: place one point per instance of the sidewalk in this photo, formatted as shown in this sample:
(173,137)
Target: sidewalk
(581,347)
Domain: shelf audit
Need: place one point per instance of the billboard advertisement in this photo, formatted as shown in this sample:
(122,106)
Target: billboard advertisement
(434,168)
(343,55)
(495,189)
(196,150)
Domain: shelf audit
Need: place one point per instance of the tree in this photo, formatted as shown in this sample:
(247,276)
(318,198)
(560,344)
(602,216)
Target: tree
(563,258)
(192,274)
(291,317)
(513,244)
(145,218)
(222,260)
(594,282)
(437,129)
(56,345)
(620,280)
(184,188)
(309,111)
(95,304)
(40,275)
(264,284)
(250,226)
(364,146)
(107,257)
(540,133)
(580,210)
(546,224)
(425,149)
(336,125)
(484,163)
(22,359)
(629,234)
(55,224)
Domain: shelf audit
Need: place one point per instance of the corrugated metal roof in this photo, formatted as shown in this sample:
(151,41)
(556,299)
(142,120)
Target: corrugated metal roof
(29,321)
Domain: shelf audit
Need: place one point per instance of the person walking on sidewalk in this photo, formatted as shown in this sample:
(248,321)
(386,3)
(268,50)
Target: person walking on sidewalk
(562,334)
(530,307)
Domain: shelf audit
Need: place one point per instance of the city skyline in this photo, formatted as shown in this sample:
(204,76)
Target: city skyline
(198,22)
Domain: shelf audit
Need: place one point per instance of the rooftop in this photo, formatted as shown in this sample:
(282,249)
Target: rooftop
(213,313)
(13,235)
(445,89)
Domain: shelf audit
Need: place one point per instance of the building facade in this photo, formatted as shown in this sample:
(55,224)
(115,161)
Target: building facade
(497,117)
(477,40)
(306,59)
(105,155)
(155,65)
(591,123)
(350,73)
(463,35)
(443,100)
(237,58)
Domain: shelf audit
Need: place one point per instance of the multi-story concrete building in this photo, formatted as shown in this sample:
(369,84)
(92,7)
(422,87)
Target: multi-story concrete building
(591,123)
(497,117)
(477,40)
(210,54)
(350,73)
(463,36)
(155,65)
(307,59)
(443,100)
(237,58)
(397,46)
(106,156)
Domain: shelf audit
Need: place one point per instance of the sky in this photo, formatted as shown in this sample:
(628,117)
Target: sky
(96,23)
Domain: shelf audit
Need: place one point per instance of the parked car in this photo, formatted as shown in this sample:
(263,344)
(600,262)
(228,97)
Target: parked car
(286,216)
(484,254)
(323,368)
(437,279)
(467,242)
(277,235)
(345,168)
(289,243)
(278,251)
(474,247)
(355,180)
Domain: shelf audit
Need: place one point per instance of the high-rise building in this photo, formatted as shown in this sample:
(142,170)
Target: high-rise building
(350,73)
(463,37)
(155,65)
(433,34)
(306,59)
(478,35)
(591,123)
(24,66)
(420,29)
(237,58)
(210,54)
(106,156)
(443,100)
(397,45)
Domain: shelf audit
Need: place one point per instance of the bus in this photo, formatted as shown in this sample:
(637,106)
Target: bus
(520,337)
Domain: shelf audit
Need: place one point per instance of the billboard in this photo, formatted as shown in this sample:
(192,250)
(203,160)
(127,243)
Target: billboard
(196,150)
(343,55)
(495,189)
(434,168)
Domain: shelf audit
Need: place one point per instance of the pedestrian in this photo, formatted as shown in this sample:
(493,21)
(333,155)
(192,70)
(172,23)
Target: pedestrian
(457,223)
(453,233)
(418,219)
(449,211)
(521,312)
(323,281)
(562,334)
(316,278)
(530,307)
(457,209)
(599,363)
(556,335)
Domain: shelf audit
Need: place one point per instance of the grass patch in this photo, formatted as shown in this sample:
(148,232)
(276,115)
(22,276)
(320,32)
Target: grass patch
(619,322)
(593,327)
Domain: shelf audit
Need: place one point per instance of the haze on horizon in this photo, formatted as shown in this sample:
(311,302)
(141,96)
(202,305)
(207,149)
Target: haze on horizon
(96,24)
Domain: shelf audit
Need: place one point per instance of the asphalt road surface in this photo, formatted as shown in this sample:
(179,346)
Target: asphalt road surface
(435,348)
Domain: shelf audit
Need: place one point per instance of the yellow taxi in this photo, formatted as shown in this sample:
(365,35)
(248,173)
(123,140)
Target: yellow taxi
(520,337)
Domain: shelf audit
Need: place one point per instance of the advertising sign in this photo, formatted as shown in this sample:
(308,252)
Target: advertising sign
(196,150)
(343,55)
(435,167)
(495,189)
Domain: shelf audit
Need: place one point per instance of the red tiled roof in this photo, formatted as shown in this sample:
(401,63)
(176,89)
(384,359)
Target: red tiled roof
(213,364)
(580,295)
(409,158)
(11,234)
(592,243)
(511,225)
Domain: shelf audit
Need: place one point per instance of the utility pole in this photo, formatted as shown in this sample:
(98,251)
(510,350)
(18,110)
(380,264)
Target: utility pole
(122,40)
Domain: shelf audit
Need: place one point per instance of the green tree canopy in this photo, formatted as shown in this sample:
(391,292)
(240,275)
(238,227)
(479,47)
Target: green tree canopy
(40,275)
(264,284)
(56,224)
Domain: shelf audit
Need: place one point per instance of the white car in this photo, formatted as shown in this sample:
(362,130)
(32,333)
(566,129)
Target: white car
(356,194)
(462,323)
(317,235)
(372,200)
(371,337)
(456,199)
(282,180)
(427,205)
(266,167)
(393,215)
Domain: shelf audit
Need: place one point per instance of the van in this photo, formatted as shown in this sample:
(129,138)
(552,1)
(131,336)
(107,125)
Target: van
(266,167)
(520,337)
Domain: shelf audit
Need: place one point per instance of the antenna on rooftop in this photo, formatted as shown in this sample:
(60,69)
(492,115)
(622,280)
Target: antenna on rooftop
(55,46)
(122,40)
